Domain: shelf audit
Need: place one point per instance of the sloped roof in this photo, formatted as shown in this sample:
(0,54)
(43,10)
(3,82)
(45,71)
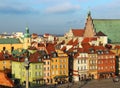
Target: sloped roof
(87,39)
(50,48)
(78,32)
(9,41)
(111,27)
(5,81)
(100,34)
(70,42)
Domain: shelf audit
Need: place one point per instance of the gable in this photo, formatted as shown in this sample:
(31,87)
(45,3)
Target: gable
(78,32)
(110,27)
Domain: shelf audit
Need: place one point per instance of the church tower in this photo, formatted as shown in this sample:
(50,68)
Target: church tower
(27,39)
(89,27)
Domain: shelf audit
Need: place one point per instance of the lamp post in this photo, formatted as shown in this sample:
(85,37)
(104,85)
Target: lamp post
(26,64)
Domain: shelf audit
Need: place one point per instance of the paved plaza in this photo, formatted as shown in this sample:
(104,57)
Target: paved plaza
(103,83)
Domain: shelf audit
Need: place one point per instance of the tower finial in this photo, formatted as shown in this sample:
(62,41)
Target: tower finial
(89,13)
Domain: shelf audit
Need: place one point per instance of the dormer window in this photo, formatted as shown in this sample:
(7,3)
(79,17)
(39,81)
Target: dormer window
(101,52)
(98,52)
(48,56)
(54,54)
(92,51)
(39,59)
(44,57)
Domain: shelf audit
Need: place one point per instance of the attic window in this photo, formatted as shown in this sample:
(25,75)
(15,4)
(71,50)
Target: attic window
(39,59)
(107,52)
(54,54)
(92,51)
(44,57)
(48,56)
(98,52)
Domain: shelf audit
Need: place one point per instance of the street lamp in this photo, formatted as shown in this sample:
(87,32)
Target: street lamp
(26,64)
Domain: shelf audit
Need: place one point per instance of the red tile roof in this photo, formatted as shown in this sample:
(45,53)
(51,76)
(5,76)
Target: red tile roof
(5,56)
(100,34)
(63,48)
(117,47)
(75,43)
(50,47)
(70,42)
(5,81)
(78,32)
(88,39)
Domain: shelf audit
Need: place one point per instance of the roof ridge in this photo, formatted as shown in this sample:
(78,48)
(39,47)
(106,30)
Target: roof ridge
(106,19)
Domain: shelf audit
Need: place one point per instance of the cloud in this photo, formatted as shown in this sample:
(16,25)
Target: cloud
(14,10)
(62,8)
(7,7)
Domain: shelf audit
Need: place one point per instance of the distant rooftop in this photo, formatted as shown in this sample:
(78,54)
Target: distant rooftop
(9,41)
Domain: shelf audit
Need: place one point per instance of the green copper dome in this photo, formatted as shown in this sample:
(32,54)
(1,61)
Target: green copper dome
(27,34)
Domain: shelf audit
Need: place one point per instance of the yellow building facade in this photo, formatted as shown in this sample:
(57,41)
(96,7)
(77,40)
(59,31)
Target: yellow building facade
(10,44)
(59,67)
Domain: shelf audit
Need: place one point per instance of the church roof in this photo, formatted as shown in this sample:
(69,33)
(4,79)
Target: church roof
(78,32)
(110,27)
(9,41)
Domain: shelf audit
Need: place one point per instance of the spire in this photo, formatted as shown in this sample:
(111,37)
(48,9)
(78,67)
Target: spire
(89,13)
(27,34)
(89,28)
(27,29)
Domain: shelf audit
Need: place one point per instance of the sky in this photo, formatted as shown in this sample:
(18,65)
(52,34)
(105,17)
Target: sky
(53,16)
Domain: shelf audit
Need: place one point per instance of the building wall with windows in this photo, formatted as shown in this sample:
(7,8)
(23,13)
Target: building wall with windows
(47,70)
(92,72)
(10,47)
(5,64)
(80,67)
(106,65)
(59,67)
(35,72)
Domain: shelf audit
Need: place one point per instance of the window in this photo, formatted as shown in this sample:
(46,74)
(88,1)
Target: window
(48,62)
(48,68)
(55,66)
(64,66)
(84,67)
(85,61)
(36,66)
(40,73)
(52,66)
(44,63)
(48,74)
(3,62)
(64,72)
(78,68)
(4,48)
(44,68)
(40,66)
(81,68)
(61,66)
(3,67)
(78,61)
(60,72)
